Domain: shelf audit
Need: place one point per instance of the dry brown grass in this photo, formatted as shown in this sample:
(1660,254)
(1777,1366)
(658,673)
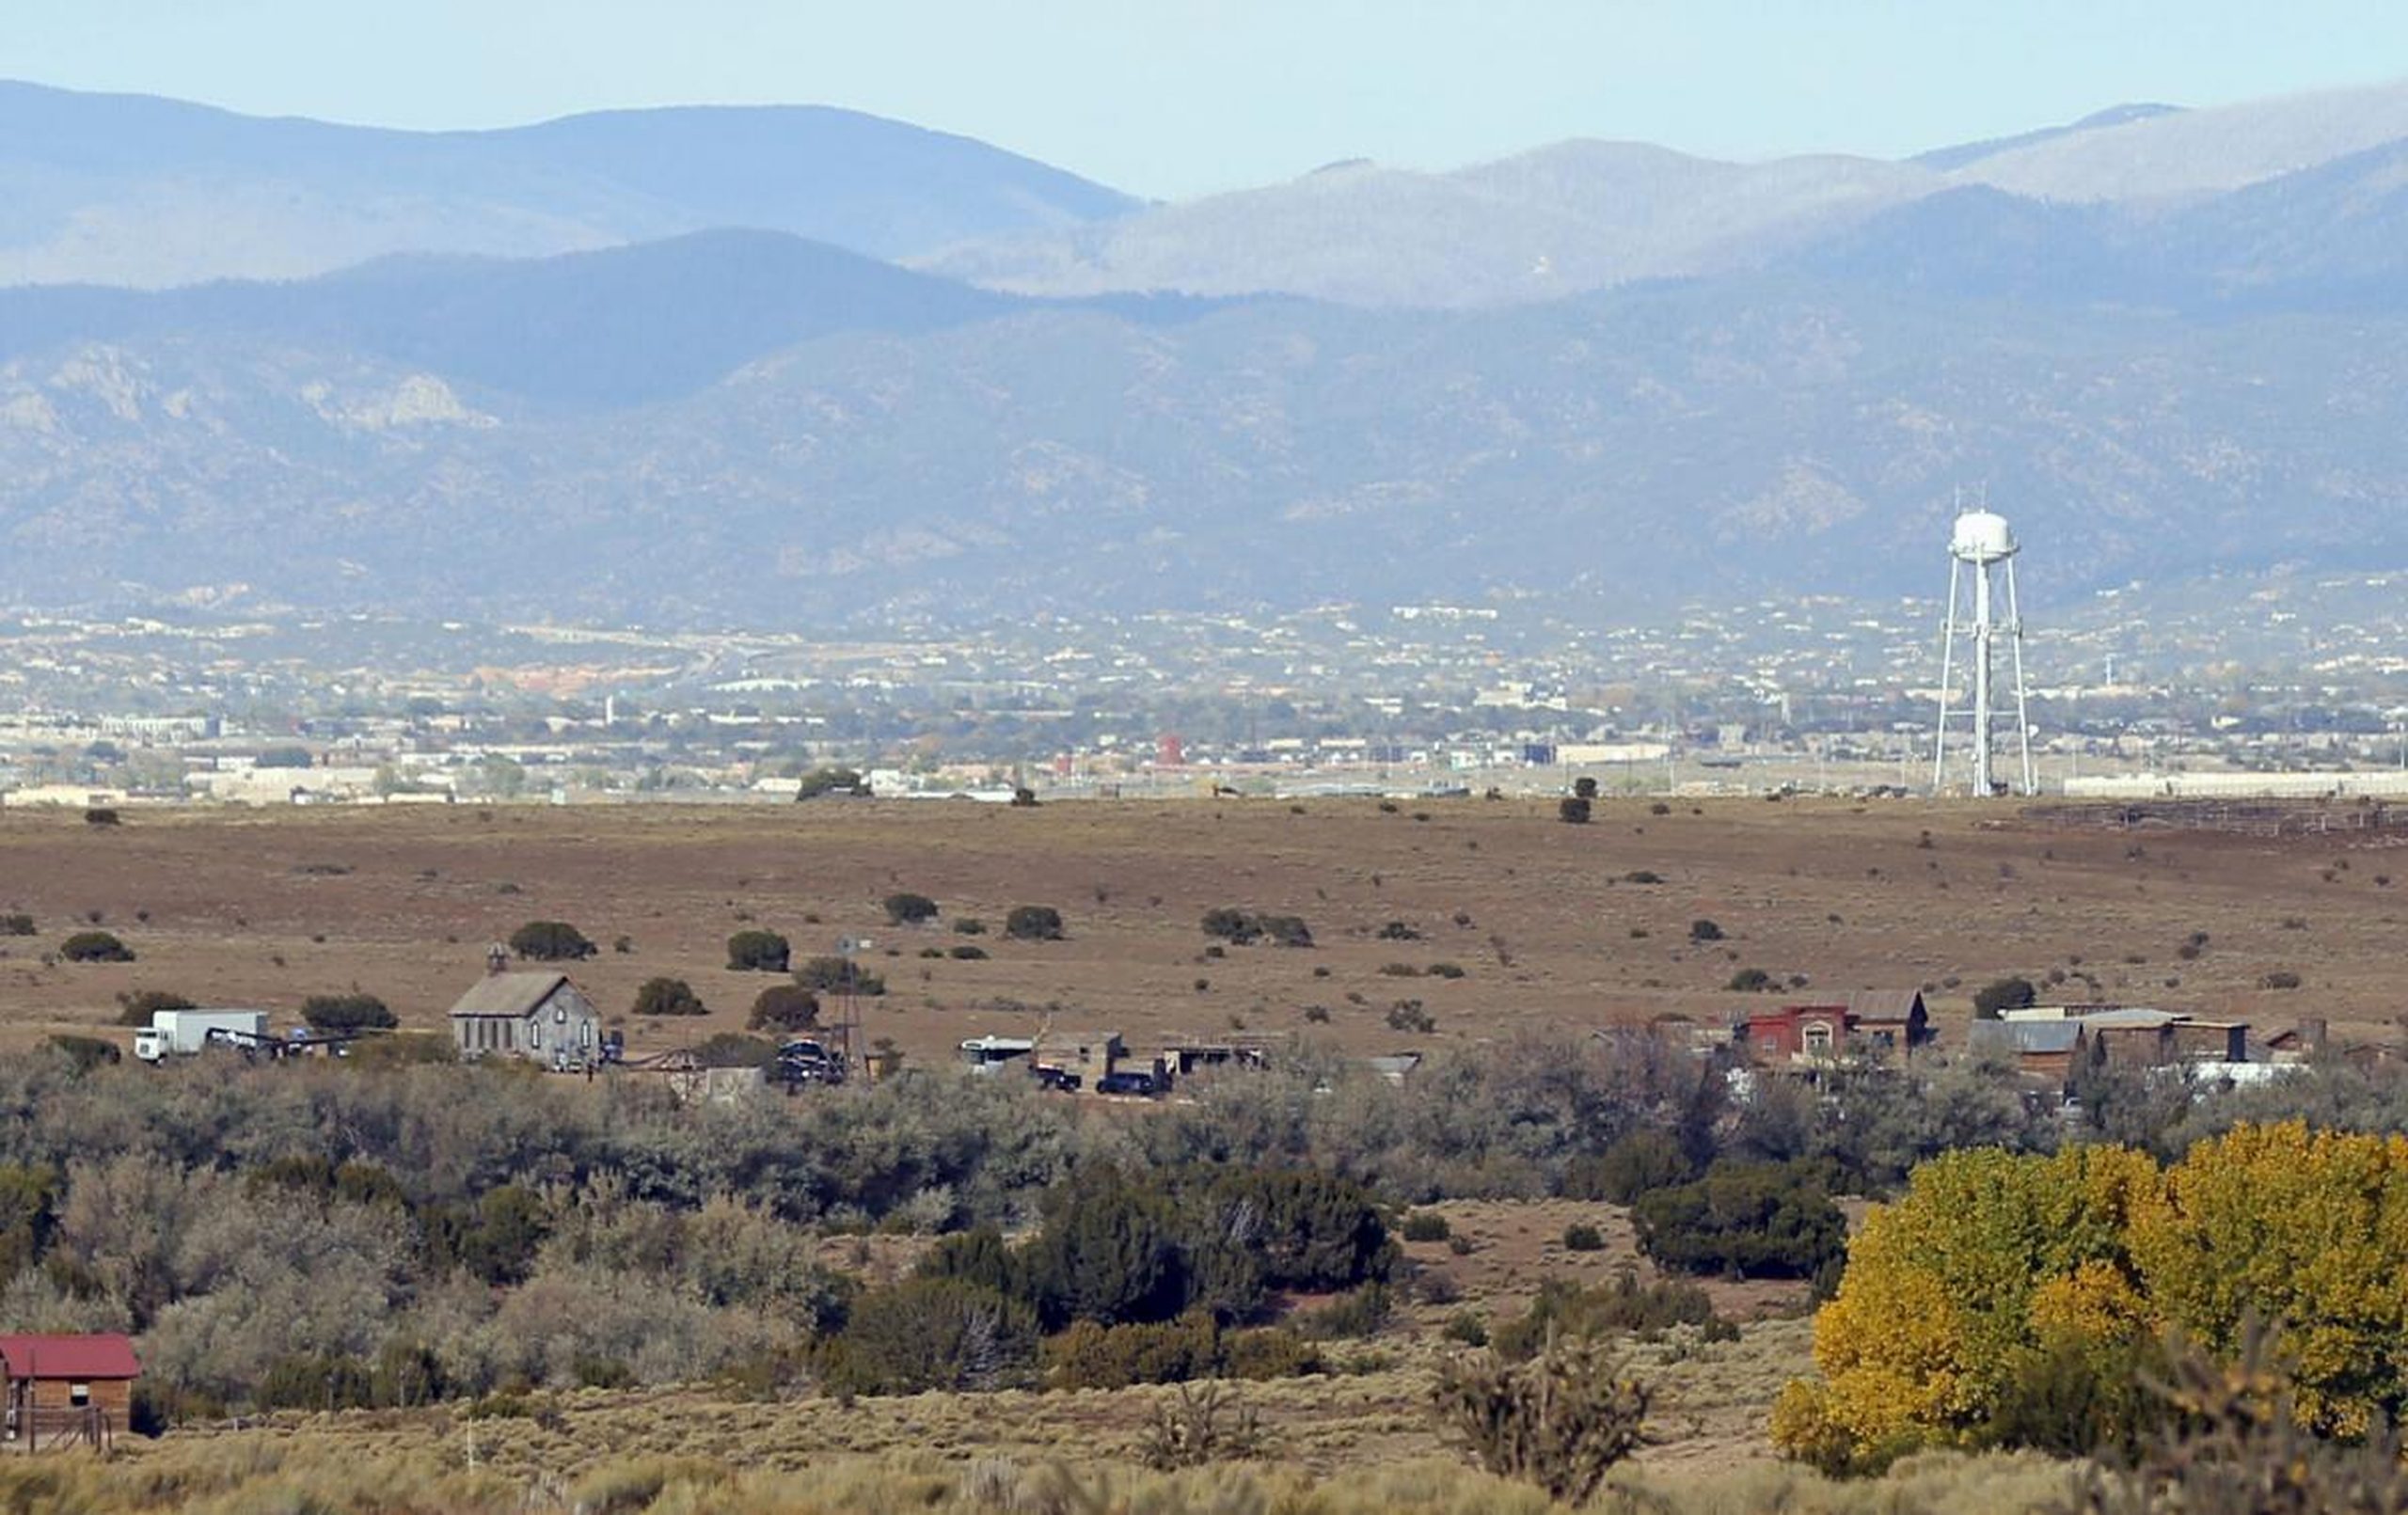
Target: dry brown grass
(1712,1400)
(238,902)
(342,1469)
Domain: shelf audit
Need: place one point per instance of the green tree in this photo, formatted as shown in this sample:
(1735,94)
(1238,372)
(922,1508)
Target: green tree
(979,1255)
(830,781)
(1746,1221)
(931,1334)
(550,941)
(2003,994)
(1310,1230)
(391,781)
(1034,923)
(495,1237)
(1633,1164)
(783,1007)
(352,1012)
(904,908)
(1243,927)
(29,1198)
(502,776)
(1108,1251)
(758,952)
(95,947)
(838,975)
(666,996)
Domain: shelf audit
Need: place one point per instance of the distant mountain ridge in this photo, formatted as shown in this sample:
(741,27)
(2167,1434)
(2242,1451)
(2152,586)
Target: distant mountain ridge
(1582,215)
(904,447)
(124,189)
(1964,153)
(145,192)
(617,325)
(1604,371)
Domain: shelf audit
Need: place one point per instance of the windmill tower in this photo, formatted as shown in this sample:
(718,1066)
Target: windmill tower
(1982,544)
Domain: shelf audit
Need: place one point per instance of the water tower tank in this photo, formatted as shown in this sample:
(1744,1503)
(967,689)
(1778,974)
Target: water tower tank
(1981,537)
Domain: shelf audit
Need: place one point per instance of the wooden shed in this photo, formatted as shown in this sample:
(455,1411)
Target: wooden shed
(1892,1020)
(2050,1050)
(66,1391)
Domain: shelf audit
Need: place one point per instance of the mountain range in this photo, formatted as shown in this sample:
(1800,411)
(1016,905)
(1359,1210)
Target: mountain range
(848,370)
(125,189)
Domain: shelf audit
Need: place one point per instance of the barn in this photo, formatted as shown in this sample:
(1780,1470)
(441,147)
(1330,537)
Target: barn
(66,1391)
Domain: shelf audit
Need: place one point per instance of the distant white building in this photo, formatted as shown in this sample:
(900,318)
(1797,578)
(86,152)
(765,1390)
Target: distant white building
(2382,782)
(72,796)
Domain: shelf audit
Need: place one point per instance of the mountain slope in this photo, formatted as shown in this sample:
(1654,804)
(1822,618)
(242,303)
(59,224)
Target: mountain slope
(1540,226)
(134,190)
(2336,233)
(1963,153)
(614,327)
(1585,215)
(2195,152)
(1780,434)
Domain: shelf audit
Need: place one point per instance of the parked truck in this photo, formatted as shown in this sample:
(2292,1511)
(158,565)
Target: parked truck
(183,1033)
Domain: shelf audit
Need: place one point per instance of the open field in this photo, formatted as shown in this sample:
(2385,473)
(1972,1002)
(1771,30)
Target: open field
(253,908)
(1360,1429)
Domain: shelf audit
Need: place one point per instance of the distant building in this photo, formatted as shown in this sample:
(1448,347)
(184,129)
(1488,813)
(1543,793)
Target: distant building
(73,796)
(2134,1035)
(1892,1020)
(540,1017)
(66,1391)
(1090,1054)
(2050,1050)
(1180,1058)
(2309,1037)
(1806,1034)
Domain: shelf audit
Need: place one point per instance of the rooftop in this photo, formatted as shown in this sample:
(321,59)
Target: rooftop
(104,1356)
(508,994)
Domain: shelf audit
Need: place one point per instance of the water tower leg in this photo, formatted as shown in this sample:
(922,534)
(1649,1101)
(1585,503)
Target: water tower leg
(1982,680)
(2022,701)
(1947,670)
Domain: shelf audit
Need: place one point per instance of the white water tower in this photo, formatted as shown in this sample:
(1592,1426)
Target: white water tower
(1982,543)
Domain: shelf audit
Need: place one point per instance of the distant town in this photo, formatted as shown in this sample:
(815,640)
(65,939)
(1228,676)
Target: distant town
(2282,684)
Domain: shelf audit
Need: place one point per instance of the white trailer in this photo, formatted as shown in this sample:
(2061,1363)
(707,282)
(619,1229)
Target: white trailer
(183,1033)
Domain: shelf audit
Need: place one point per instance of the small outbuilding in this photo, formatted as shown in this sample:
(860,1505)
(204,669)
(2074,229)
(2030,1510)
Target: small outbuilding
(66,1391)
(2047,1049)
(540,1017)
(1892,1020)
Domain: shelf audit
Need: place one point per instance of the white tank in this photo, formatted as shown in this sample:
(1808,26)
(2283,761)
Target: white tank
(1981,537)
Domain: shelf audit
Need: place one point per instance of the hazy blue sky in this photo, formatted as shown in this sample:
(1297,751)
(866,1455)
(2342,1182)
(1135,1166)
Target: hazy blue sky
(1177,97)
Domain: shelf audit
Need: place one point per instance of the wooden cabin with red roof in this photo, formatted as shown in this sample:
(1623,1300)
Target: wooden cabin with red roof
(66,1391)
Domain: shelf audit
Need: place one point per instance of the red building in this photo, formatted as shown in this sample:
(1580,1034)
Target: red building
(1799,1034)
(66,1391)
